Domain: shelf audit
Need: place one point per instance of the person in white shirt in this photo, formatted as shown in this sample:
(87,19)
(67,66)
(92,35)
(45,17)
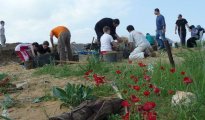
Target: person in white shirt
(106,40)
(2,33)
(139,46)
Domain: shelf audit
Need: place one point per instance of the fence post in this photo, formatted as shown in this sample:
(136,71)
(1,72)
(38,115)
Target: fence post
(169,52)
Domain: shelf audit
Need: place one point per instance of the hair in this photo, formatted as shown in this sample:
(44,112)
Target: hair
(2,22)
(180,15)
(157,10)
(192,27)
(147,34)
(116,21)
(130,28)
(106,29)
(46,43)
(35,44)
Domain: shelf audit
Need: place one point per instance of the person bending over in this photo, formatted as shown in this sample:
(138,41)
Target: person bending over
(139,45)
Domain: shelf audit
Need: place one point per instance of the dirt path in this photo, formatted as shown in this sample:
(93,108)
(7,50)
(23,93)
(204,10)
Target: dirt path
(37,87)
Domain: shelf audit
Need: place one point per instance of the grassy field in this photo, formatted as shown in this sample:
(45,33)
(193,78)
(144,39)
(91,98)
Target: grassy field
(147,87)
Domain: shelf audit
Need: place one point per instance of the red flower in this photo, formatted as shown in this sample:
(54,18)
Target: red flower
(146,93)
(171,92)
(134,99)
(147,78)
(126,116)
(151,86)
(173,70)
(157,90)
(162,68)
(150,116)
(125,103)
(149,106)
(187,80)
(99,79)
(118,72)
(137,88)
(183,73)
(132,76)
(88,72)
(141,64)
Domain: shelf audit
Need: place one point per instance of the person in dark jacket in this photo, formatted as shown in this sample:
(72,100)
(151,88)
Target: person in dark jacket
(41,49)
(112,23)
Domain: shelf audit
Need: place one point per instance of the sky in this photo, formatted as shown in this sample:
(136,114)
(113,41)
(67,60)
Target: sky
(30,21)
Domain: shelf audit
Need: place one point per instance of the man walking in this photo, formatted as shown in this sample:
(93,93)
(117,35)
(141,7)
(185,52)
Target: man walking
(2,34)
(181,25)
(161,29)
(63,35)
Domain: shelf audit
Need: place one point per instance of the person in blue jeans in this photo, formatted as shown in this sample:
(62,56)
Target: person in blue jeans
(161,29)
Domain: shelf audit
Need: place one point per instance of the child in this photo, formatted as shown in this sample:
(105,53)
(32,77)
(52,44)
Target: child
(2,34)
(106,40)
(191,42)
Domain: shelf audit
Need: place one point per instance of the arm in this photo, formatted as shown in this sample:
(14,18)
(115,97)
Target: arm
(51,39)
(164,24)
(176,29)
(32,51)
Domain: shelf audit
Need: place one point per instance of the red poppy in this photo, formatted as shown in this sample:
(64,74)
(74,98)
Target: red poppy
(162,68)
(125,103)
(157,90)
(137,88)
(147,78)
(86,77)
(173,70)
(187,80)
(146,93)
(149,106)
(150,116)
(171,92)
(126,116)
(151,86)
(132,76)
(88,72)
(134,98)
(99,79)
(183,73)
(141,64)
(118,72)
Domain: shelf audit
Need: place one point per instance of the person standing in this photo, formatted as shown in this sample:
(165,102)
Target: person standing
(181,25)
(2,34)
(161,29)
(63,35)
(112,23)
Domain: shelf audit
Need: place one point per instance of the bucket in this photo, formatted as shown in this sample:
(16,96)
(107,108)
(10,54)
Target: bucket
(112,56)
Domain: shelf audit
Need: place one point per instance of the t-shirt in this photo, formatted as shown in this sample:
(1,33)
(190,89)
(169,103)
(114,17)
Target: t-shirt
(181,24)
(2,30)
(42,51)
(138,39)
(150,39)
(160,22)
(105,41)
(106,22)
(23,47)
(58,30)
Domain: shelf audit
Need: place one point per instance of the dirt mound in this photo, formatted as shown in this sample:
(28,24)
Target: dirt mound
(7,54)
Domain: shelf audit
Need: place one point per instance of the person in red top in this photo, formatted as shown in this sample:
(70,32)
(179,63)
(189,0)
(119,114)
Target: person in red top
(63,35)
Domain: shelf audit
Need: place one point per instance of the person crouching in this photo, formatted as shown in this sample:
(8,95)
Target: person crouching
(138,44)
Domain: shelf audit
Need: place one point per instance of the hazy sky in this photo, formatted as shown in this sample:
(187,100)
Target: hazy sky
(32,20)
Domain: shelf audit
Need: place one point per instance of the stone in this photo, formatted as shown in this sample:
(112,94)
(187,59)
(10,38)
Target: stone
(183,98)
(22,85)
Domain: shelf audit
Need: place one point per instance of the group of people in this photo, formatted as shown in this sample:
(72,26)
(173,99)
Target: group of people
(138,44)
(26,52)
(196,32)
